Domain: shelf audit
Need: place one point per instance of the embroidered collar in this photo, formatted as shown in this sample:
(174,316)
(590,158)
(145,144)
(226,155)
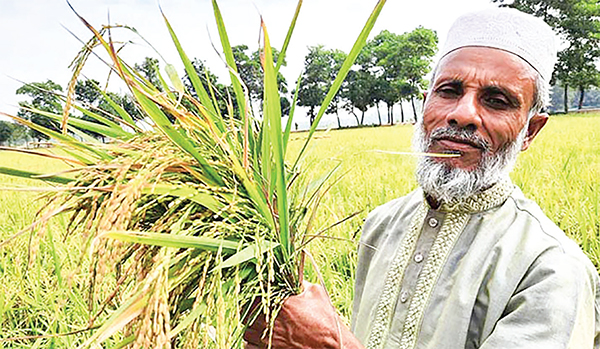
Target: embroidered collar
(487,199)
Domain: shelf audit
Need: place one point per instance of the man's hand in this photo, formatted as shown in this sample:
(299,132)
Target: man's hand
(307,320)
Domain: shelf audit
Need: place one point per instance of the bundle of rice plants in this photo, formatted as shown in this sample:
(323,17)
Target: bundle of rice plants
(191,214)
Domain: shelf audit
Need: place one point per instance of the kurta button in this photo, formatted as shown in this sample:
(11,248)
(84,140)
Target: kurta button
(403,296)
(418,257)
(433,222)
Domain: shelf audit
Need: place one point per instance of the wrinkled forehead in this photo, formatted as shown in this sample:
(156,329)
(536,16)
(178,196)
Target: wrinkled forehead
(485,63)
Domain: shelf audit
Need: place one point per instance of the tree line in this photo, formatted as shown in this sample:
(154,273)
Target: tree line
(390,69)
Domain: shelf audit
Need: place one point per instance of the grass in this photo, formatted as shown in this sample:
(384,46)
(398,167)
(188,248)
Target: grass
(42,295)
(559,172)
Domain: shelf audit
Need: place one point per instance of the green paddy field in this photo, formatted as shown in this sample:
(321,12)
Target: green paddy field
(44,292)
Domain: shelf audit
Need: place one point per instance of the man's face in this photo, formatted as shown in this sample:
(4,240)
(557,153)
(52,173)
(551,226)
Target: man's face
(483,92)
(478,108)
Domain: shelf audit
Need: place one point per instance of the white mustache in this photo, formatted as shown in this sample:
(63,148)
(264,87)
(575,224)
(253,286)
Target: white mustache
(458,134)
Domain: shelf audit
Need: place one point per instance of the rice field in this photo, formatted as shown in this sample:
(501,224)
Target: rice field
(44,293)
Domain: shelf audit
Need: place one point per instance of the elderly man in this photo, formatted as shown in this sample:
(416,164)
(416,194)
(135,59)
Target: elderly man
(465,261)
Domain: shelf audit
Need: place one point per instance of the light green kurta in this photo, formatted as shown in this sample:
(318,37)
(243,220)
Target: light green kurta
(490,272)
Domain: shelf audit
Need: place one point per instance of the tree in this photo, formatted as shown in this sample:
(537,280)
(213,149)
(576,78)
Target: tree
(399,63)
(12,133)
(44,96)
(383,47)
(5,132)
(257,57)
(320,69)
(357,92)
(578,24)
(19,134)
(149,70)
(582,29)
(576,68)
(249,70)
(418,48)
(88,91)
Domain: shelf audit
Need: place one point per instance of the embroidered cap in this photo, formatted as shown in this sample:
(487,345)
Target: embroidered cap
(510,30)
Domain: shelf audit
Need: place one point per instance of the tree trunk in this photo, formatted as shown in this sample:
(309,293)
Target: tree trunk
(362,118)
(401,113)
(338,118)
(378,114)
(252,108)
(412,101)
(356,117)
(566,98)
(311,114)
(581,95)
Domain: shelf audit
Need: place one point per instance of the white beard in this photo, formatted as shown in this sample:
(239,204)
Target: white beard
(444,183)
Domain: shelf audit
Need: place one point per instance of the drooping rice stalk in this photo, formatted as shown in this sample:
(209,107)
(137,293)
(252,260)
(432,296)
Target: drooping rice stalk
(191,222)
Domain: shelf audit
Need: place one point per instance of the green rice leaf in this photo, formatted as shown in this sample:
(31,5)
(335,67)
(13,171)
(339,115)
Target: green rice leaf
(84,137)
(125,342)
(75,154)
(191,71)
(34,175)
(288,37)
(241,96)
(214,100)
(188,320)
(273,117)
(121,111)
(189,193)
(178,137)
(164,85)
(97,116)
(247,254)
(131,309)
(111,132)
(254,194)
(174,77)
(175,241)
(62,137)
(235,79)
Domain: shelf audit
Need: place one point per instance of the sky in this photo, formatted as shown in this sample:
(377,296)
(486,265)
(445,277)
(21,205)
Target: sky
(36,44)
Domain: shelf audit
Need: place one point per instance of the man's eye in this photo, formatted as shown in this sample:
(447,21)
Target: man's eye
(497,102)
(448,91)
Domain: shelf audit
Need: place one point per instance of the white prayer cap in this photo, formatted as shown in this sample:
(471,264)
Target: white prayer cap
(510,30)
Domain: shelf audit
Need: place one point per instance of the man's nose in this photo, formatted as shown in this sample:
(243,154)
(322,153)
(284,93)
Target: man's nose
(465,114)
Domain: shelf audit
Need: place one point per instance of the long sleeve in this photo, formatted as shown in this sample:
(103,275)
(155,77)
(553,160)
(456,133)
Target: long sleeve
(553,307)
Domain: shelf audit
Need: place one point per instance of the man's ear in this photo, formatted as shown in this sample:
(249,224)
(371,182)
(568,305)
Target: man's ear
(536,124)
(425,93)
